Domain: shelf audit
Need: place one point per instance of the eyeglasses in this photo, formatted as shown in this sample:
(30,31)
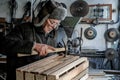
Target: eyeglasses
(53,23)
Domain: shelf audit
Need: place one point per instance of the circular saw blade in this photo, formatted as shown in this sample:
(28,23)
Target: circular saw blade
(79,9)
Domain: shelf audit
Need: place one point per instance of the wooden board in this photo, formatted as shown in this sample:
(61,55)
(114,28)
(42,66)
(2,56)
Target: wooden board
(66,62)
(26,67)
(74,66)
(20,72)
(74,72)
(54,67)
(80,75)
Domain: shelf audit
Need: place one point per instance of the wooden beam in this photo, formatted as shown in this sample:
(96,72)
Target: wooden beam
(23,68)
(20,72)
(80,75)
(66,62)
(55,75)
(71,74)
(29,76)
(40,77)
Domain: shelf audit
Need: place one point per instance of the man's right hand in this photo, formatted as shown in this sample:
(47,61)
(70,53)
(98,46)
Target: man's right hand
(42,49)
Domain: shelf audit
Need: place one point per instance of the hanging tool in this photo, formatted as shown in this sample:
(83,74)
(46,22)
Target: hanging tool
(90,33)
(110,56)
(112,35)
(79,8)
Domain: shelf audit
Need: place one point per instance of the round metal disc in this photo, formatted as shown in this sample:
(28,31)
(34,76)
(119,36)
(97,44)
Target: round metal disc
(110,53)
(79,9)
(112,35)
(90,33)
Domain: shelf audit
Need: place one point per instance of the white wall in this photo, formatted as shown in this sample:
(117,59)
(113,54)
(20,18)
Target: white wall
(97,43)
(5,9)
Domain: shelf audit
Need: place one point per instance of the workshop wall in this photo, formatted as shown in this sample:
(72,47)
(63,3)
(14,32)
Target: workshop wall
(98,42)
(5,6)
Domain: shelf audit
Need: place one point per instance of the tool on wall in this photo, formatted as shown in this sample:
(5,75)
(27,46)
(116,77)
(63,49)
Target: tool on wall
(90,33)
(112,35)
(27,11)
(79,8)
(13,6)
(110,53)
(110,57)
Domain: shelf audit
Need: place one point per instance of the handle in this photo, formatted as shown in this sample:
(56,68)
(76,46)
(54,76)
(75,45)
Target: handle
(35,53)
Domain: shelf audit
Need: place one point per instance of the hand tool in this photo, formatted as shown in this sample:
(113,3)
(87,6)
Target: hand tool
(49,51)
(35,53)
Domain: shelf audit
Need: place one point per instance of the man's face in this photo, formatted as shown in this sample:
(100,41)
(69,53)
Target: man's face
(50,24)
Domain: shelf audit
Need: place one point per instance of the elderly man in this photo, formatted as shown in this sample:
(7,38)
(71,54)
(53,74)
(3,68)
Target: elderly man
(26,37)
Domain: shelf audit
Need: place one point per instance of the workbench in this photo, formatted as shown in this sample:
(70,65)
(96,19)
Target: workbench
(99,74)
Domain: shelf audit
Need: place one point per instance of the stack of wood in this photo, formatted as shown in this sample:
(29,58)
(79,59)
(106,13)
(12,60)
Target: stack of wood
(55,68)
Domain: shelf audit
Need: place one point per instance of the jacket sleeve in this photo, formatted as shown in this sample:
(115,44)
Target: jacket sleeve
(14,42)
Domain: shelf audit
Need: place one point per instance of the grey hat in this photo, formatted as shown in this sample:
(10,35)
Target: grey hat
(58,13)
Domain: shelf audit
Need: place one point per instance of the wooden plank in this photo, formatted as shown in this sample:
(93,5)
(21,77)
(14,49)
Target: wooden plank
(46,67)
(21,71)
(80,75)
(20,75)
(55,75)
(40,70)
(50,65)
(85,77)
(29,76)
(43,68)
(71,74)
(40,77)
(23,68)
(66,62)
(30,73)
(43,64)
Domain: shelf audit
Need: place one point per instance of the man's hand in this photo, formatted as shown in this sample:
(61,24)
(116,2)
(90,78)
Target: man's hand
(42,49)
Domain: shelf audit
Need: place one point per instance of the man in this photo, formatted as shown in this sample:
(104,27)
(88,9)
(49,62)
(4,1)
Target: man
(32,36)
